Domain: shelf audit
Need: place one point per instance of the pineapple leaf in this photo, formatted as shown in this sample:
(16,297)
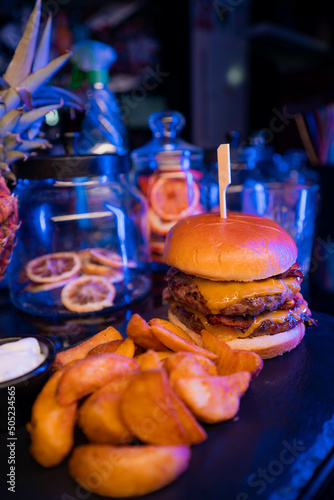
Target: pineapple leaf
(27,119)
(43,50)
(12,156)
(9,121)
(7,174)
(25,96)
(34,130)
(3,83)
(11,141)
(33,82)
(20,66)
(27,146)
(53,92)
(43,75)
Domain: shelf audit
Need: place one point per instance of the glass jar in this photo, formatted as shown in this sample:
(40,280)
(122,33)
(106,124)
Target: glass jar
(171,175)
(82,246)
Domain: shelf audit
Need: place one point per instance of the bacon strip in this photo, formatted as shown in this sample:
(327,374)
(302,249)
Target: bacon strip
(295,271)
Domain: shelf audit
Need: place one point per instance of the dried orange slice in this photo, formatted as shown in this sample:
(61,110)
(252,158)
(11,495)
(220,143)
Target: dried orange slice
(88,293)
(90,266)
(157,225)
(110,258)
(53,267)
(173,198)
(157,247)
(45,287)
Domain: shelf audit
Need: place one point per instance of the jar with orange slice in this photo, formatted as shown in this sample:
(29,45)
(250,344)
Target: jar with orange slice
(171,174)
(82,247)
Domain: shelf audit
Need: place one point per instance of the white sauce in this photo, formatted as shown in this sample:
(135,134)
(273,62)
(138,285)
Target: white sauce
(19,357)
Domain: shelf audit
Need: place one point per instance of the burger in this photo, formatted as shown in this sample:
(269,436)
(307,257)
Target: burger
(238,278)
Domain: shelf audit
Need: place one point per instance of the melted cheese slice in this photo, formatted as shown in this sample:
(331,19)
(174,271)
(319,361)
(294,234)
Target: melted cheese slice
(221,294)
(226,333)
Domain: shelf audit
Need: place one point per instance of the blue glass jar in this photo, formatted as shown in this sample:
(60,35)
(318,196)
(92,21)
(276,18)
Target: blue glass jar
(170,173)
(82,246)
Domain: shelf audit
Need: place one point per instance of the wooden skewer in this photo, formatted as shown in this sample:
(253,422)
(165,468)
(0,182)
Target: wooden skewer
(306,139)
(224,176)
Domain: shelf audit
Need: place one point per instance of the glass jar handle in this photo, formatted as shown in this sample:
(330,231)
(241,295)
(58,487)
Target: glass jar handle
(166,123)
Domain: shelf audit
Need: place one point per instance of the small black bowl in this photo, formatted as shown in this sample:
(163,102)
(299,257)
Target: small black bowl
(18,395)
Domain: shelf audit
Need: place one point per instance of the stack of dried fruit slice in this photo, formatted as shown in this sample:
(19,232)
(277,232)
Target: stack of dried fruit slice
(170,199)
(86,277)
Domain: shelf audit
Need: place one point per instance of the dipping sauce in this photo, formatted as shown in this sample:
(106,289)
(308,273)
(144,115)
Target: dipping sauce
(19,357)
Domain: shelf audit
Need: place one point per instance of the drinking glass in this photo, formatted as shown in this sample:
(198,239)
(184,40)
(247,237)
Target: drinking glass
(293,206)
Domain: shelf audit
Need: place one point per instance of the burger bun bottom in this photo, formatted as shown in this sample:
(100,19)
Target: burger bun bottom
(266,346)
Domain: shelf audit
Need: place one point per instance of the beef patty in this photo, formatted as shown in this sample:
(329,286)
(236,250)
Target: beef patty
(267,327)
(182,288)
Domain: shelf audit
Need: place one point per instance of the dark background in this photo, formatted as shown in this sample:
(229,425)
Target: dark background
(288,44)
(288,54)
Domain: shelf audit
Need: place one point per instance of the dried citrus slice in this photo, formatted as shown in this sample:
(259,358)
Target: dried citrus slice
(53,267)
(88,293)
(45,287)
(173,198)
(157,225)
(157,247)
(90,266)
(110,258)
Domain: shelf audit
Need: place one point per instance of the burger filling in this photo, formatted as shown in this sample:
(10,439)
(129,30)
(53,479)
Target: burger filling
(238,309)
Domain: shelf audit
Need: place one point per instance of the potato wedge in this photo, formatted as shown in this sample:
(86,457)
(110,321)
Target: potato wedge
(148,411)
(140,332)
(230,360)
(51,426)
(171,327)
(100,417)
(176,343)
(149,360)
(194,432)
(91,373)
(127,471)
(80,351)
(213,399)
(126,348)
(207,363)
(185,364)
(161,355)
(106,347)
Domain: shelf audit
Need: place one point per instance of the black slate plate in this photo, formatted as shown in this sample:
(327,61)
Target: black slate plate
(280,447)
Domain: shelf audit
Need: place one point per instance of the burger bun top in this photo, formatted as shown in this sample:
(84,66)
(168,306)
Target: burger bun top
(239,248)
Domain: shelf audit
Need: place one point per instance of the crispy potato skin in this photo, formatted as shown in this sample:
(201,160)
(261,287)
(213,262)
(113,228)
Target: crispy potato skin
(194,432)
(127,348)
(105,347)
(149,360)
(213,399)
(230,360)
(141,333)
(91,373)
(176,343)
(80,351)
(148,412)
(155,414)
(52,425)
(127,471)
(184,364)
(100,416)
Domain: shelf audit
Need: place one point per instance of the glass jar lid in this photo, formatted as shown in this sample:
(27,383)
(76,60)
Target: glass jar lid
(167,149)
(69,167)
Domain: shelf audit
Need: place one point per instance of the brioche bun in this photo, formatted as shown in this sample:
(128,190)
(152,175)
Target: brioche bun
(266,346)
(239,248)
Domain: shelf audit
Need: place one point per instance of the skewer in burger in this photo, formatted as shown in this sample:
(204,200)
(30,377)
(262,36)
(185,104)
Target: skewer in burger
(237,278)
